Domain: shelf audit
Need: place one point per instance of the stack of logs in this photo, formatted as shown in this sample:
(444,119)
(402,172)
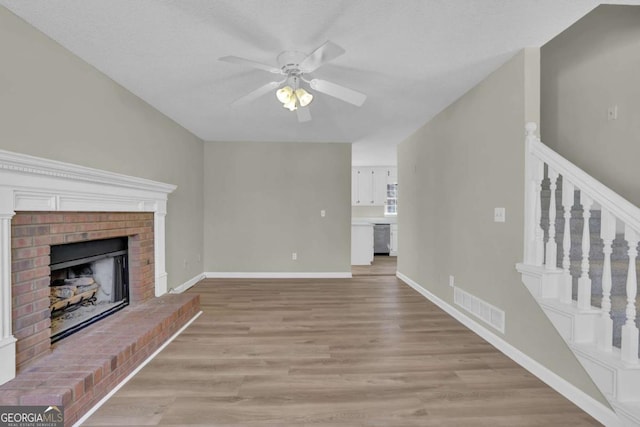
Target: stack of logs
(70,293)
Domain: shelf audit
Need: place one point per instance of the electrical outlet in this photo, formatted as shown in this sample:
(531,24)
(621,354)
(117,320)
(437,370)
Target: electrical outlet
(323,213)
(198,257)
(185,264)
(451,281)
(294,256)
(612,112)
(499,215)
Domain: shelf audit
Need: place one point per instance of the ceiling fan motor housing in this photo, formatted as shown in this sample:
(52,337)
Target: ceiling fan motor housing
(289,62)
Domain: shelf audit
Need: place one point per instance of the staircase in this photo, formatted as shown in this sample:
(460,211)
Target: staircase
(580,263)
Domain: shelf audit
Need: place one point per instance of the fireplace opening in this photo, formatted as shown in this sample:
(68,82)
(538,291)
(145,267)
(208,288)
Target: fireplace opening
(89,281)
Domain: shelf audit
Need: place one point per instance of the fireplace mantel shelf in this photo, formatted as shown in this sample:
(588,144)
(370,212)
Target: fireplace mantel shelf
(29,183)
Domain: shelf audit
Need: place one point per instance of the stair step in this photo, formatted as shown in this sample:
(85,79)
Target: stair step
(617,380)
(629,413)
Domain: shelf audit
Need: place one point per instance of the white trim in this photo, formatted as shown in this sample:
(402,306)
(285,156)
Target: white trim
(587,403)
(276,275)
(135,371)
(188,284)
(31,165)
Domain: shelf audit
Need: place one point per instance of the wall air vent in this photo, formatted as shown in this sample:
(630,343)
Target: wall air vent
(481,309)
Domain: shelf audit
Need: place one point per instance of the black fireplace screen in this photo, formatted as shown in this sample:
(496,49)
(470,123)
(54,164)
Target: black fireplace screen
(89,281)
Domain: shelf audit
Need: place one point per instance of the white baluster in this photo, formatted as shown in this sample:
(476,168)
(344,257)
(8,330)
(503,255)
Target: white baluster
(538,175)
(551,262)
(584,282)
(629,349)
(607,233)
(566,289)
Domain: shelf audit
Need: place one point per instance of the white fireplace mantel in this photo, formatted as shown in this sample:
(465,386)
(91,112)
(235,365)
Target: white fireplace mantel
(30,183)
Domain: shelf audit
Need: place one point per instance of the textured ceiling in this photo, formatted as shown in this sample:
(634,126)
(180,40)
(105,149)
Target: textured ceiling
(411,57)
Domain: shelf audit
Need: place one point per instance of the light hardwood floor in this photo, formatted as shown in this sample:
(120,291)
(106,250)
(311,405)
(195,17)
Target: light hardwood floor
(367,351)
(382,266)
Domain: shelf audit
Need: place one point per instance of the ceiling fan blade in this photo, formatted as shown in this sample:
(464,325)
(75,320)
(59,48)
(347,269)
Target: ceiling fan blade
(250,63)
(252,96)
(347,95)
(304,114)
(320,56)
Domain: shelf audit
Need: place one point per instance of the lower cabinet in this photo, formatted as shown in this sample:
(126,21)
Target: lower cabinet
(393,245)
(361,244)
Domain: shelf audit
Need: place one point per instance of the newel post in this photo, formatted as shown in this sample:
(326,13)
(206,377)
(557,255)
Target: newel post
(534,173)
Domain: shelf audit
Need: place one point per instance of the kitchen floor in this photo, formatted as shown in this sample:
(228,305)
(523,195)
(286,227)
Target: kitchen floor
(382,266)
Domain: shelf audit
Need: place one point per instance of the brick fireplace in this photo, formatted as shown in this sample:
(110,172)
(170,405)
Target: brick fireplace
(33,233)
(45,203)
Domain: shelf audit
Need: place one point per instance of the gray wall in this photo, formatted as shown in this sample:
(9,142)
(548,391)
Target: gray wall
(590,66)
(452,173)
(263,202)
(54,105)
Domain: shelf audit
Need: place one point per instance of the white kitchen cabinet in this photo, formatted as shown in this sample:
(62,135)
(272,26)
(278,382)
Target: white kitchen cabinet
(392,175)
(393,246)
(354,187)
(361,243)
(364,186)
(369,185)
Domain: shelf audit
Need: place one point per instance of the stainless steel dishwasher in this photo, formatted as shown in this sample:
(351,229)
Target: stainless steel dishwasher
(381,239)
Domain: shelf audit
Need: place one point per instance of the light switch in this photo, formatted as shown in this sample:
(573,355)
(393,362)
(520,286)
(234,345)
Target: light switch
(323,213)
(499,215)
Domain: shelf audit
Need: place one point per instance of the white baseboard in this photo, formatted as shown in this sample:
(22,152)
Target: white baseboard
(186,285)
(277,275)
(596,409)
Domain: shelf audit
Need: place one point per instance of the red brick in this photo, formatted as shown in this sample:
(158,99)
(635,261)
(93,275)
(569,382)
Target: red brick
(35,273)
(21,242)
(21,219)
(31,319)
(52,218)
(32,340)
(22,310)
(21,265)
(22,288)
(63,228)
(24,253)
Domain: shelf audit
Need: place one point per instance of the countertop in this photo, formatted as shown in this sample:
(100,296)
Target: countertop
(374,220)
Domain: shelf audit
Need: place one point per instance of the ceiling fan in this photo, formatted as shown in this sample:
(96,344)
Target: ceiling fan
(295,67)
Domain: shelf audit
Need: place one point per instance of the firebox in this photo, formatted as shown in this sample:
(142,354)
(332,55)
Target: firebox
(89,281)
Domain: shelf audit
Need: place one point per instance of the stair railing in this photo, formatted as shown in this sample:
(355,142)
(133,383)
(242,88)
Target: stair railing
(616,214)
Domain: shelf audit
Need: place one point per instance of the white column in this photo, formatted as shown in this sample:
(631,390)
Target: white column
(607,233)
(629,348)
(7,340)
(159,248)
(584,282)
(566,289)
(552,246)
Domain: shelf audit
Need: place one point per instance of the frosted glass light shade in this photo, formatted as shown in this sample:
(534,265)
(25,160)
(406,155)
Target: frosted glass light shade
(284,94)
(304,97)
(291,105)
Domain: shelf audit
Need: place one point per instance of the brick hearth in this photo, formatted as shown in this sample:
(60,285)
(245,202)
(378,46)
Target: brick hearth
(83,368)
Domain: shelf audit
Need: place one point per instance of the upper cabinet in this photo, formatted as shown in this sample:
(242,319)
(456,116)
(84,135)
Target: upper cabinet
(369,185)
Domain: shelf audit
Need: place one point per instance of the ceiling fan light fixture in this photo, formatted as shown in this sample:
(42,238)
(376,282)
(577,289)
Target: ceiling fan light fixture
(285,94)
(304,97)
(291,105)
